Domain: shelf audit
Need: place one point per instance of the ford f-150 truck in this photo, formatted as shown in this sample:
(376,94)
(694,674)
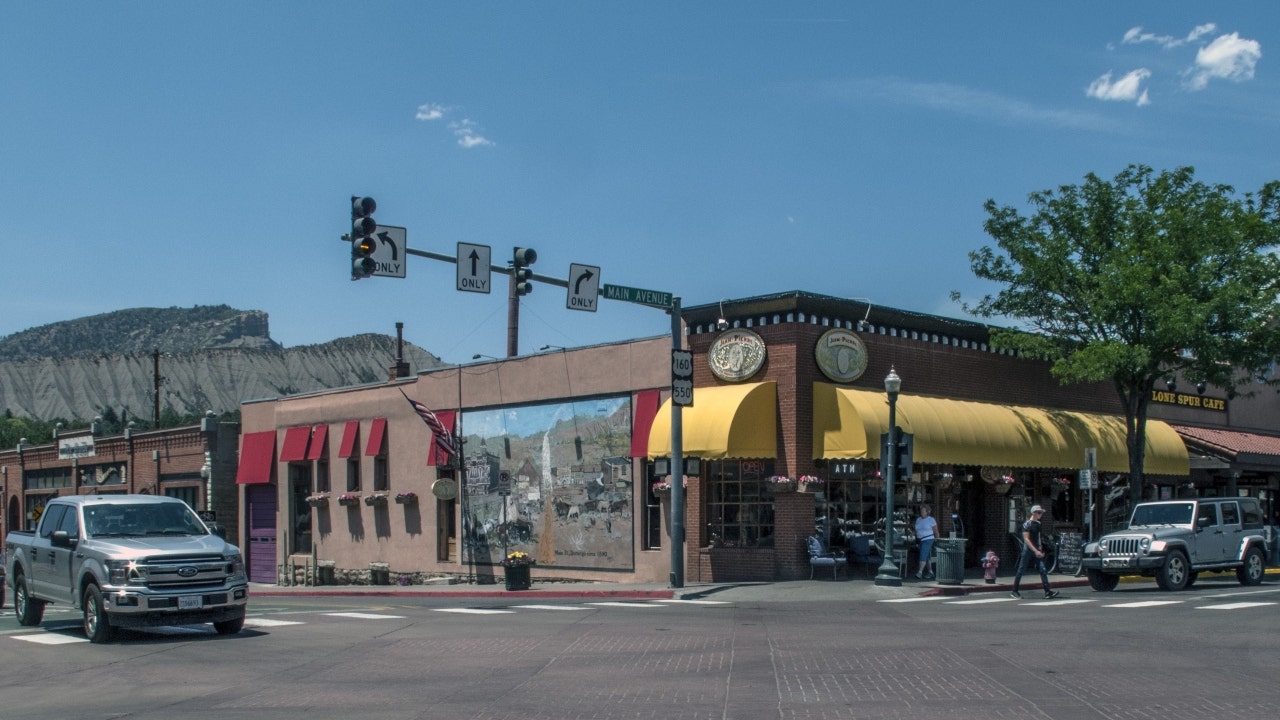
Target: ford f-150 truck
(126,561)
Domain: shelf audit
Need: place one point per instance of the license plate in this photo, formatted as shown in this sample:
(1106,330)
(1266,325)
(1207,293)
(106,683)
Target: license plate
(191,602)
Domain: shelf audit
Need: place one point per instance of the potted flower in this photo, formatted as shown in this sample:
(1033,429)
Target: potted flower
(810,483)
(780,483)
(349,499)
(406,498)
(318,500)
(662,488)
(1004,484)
(378,498)
(515,568)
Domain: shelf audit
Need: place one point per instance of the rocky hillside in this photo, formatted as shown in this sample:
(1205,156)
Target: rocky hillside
(210,359)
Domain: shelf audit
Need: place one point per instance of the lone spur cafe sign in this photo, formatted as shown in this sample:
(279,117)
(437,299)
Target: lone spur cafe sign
(1187,400)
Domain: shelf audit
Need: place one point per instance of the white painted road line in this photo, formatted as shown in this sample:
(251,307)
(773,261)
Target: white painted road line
(475,611)
(51,638)
(1145,603)
(550,607)
(365,616)
(1235,606)
(625,604)
(268,622)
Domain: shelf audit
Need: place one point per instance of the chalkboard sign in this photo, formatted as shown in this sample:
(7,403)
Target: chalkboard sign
(1069,551)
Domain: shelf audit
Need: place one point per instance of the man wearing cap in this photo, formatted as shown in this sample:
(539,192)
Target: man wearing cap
(1032,551)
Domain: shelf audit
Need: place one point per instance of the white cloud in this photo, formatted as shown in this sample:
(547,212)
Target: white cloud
(1135,36)
(1228,57)
(430,111)
(466,131)
(1126,89)
(468,134)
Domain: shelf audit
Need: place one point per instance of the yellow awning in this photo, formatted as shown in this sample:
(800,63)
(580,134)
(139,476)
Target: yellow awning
(847,423)
(726,421)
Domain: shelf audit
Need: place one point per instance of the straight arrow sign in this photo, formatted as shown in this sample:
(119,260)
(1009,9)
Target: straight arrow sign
(473,267)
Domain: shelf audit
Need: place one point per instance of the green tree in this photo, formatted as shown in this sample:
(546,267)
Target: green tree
(1138,279)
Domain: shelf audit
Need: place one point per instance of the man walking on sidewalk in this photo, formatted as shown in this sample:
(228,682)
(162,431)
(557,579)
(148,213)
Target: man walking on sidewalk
(1032,551)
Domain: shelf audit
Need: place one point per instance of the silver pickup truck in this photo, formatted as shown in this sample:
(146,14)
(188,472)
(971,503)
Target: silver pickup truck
(1175,540)
(126,561)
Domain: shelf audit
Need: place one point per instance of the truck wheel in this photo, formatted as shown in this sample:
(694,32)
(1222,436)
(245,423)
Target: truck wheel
(1254,567)
(229,627)
(1102,582)
(29,610)
(1175,573)
(97,626)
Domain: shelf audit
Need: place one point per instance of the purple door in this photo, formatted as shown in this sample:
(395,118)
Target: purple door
(261,514)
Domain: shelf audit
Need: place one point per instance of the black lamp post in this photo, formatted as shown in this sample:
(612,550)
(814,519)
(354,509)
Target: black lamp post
(889,573)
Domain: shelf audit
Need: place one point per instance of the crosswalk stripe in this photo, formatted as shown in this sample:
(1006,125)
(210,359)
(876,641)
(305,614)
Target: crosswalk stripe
(474,611)
(51,638)
(550,607)
(268,622)
(365,616)
(625,604)
(981,601)
(1234,606)
(1144,604)
(929,598)
(674,601)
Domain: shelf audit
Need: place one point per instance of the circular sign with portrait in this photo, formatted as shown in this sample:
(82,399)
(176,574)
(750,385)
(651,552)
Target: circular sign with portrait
(445,488)
(841,355)
(736,355)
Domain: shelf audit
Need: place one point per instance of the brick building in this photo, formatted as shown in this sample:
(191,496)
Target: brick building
(196,463)
(561,451)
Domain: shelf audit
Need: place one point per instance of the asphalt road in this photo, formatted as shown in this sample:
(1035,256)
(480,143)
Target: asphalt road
(1136,653)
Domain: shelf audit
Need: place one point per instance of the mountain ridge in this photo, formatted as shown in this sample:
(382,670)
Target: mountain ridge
(208,358)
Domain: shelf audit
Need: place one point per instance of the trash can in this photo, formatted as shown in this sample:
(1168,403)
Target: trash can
(950,560)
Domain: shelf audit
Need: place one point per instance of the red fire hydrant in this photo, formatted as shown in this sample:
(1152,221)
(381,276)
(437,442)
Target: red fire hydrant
(990,562)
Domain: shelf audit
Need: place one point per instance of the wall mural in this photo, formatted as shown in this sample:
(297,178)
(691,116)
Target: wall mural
(552,480)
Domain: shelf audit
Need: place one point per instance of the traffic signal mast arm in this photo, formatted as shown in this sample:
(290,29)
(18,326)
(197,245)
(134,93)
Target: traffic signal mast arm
(504,269)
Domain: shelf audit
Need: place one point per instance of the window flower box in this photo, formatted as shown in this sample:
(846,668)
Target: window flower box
(348,499)
(811,484)
(407,498)
(318,500)
(780,484)
(375,499)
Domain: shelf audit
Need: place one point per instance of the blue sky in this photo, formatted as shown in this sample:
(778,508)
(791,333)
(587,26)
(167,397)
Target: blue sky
(159,154)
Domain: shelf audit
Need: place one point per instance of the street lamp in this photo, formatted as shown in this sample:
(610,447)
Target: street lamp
(889,573)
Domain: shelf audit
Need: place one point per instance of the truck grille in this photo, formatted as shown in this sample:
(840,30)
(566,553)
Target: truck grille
(184,572)
(1123,546)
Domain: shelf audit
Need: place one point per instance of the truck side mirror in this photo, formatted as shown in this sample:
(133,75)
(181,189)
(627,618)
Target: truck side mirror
(218,529)
(1202,523)
(60,539)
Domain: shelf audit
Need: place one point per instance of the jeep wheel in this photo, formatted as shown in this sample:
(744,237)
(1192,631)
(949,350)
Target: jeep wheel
(1102,582)
(1254,567)
(29,611)
(1175,573)
(97,626)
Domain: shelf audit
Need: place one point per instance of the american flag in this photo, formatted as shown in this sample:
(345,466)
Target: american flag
(443,437)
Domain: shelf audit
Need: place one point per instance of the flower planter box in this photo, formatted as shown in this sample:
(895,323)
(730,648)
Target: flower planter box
(407,499)
(778,488)
(318,502)
(517,576)
(349,502)
(377,499)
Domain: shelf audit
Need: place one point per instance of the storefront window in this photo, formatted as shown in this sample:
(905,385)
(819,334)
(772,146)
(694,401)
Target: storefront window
(739,510)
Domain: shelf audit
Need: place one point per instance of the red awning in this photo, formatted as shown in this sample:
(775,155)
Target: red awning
(376,432)
(646,411)
(349,434)
(318,437)
(436,456)
(257,458)
(295,444)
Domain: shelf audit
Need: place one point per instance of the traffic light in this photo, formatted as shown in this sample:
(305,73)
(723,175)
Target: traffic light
(363,226)
(523,258)
(904,445)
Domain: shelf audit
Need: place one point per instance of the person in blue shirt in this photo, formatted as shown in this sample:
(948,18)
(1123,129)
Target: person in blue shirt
(926,533)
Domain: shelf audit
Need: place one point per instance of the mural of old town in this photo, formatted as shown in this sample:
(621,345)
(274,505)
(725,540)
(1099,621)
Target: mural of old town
(552,480)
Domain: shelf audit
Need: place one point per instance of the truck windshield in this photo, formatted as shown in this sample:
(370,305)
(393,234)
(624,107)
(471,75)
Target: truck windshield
(1171,514)
(129,520)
